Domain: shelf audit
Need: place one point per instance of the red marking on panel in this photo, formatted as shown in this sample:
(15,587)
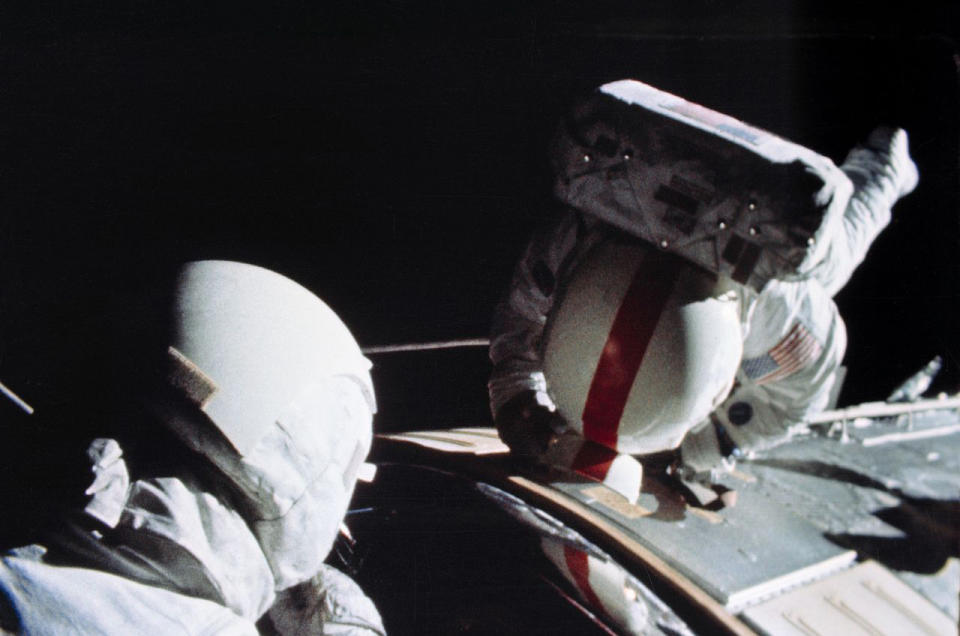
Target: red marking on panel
(626,345)
(579,565)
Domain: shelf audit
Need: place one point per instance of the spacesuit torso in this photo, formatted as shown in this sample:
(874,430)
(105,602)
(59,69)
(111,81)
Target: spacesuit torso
(163,555)
(793,336)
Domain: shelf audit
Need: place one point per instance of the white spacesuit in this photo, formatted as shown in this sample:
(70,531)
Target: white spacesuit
(266,387)
(792,336)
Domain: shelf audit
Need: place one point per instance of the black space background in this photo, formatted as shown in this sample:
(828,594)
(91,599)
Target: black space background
(390,156)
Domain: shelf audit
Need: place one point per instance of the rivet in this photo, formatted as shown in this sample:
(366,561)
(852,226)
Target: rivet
(587,158)
(752,205)
(664,243)
(627,154)
(722,225)
(754,231)
(811,241)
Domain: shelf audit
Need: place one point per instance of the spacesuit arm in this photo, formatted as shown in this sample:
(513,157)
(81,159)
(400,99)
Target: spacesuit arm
(793,349)
(521,316)
(768,402)
(882,172)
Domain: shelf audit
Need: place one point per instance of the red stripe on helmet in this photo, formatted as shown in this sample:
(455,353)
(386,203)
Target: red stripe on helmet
(593,460)
(626,345)
(579,565)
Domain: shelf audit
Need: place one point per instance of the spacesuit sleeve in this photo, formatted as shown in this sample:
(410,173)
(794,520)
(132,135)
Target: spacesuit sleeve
(793,348)
(38,595)
(795,338)
(882,172)
(520,317)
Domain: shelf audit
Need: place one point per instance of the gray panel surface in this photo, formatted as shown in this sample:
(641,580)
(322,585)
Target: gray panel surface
(810,506)
(737,555)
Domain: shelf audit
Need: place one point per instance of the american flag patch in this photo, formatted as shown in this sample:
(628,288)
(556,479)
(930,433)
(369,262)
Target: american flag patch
(796,350)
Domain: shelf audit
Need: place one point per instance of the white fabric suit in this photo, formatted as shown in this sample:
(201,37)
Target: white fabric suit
(253,414)
(168,555)
(793,336)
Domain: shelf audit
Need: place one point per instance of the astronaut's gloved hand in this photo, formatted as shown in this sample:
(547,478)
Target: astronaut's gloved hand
(883,161)
(535,432)
(111,481)
(329,604)
(529,425)
(893,144)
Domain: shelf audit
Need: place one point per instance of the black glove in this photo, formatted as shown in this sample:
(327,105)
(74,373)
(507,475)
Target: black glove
(530,429)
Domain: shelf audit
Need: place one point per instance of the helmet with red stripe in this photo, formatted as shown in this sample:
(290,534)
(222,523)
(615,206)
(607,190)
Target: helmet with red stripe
(641,346)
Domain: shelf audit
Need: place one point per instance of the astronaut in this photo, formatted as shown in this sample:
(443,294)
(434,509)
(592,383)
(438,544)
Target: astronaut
(256,417)
(685,284)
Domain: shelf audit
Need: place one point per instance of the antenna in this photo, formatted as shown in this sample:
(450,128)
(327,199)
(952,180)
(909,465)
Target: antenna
(16,399)
(426,346)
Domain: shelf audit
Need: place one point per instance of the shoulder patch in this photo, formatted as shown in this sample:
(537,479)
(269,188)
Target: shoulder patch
(796,350)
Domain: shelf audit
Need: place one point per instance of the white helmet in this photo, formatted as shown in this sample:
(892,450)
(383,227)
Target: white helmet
(266,382)
(641,347)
